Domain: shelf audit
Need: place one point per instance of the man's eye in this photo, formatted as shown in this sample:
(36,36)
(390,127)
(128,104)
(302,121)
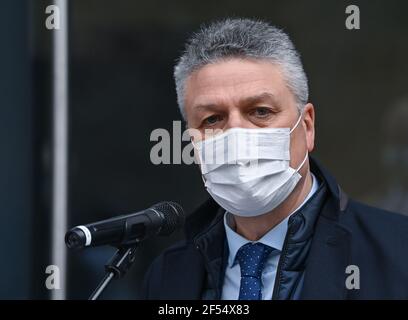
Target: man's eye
(261,112)
(211,120)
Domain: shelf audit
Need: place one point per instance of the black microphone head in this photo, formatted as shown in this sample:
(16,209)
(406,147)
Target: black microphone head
(174,216)
(75,238)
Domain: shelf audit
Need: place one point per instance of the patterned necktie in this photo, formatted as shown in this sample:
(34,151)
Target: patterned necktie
(252,258)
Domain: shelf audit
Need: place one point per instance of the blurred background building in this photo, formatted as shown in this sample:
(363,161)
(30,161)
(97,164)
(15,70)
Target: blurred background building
(120,61)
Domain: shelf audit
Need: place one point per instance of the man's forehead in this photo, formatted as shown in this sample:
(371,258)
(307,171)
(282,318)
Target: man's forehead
(215,83)
(233,72)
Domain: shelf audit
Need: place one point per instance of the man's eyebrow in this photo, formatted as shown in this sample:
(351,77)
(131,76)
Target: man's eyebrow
(202,107)
(265,97)
(262,97)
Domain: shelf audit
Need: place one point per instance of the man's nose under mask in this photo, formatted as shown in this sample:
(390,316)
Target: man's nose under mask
(247,171)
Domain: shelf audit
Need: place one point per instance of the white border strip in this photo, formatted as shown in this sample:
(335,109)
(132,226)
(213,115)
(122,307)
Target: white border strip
(60,147)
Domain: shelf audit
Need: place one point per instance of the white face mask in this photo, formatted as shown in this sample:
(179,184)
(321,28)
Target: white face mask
(247,171)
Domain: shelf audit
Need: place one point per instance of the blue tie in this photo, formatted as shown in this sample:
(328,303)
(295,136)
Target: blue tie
(252,258)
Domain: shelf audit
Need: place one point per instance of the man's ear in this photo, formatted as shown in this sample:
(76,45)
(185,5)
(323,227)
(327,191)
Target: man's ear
(309,125)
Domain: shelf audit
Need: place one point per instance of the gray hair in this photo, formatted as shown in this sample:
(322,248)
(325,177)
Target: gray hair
(242,38)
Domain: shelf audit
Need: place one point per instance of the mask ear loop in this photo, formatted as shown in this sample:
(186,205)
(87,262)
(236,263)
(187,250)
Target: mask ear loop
(297,123)
(303,162)
(307,153)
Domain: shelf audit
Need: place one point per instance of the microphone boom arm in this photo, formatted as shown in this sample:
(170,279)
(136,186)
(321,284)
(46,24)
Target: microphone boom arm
(116,268)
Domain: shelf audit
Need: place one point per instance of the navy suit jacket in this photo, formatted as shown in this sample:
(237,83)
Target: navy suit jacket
(347,233)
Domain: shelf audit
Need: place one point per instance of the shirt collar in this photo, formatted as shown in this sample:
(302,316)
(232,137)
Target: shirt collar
(273,238)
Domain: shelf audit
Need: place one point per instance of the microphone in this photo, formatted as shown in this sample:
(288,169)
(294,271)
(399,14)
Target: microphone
(160,219)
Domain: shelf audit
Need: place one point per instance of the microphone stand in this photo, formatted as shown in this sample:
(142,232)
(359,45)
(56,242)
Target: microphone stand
(116,267)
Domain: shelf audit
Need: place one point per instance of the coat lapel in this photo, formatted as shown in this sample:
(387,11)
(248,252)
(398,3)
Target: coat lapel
(214,249)
(325,273)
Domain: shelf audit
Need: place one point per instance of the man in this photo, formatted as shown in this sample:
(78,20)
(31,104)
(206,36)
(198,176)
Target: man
(284,230)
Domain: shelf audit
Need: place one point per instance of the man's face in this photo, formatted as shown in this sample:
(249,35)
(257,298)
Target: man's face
(247,94)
